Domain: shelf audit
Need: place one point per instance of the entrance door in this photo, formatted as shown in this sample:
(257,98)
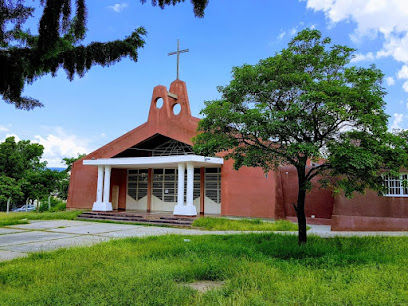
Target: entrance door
(115,196)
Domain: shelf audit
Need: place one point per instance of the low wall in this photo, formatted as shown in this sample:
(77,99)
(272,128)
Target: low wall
(370,212)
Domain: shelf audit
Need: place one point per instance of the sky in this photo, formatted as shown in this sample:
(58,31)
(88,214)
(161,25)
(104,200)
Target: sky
(83,115)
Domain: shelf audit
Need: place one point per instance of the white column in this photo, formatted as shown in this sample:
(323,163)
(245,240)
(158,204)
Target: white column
(180,208)
(99,186)
(190,184)
(106,185)
(103,204)
(180,184)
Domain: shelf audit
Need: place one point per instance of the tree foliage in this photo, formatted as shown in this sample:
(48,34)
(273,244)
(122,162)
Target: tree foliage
(24,57)
(69,161)
(22,174)
(8,189)
(16,158)
(306,103)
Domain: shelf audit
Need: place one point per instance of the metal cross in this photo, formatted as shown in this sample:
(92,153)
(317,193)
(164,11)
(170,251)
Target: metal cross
(178,55)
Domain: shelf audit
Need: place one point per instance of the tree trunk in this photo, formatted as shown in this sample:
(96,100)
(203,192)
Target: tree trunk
(300,207)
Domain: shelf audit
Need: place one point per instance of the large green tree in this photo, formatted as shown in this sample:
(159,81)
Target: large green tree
(25,57)
(22,174)
(18,157)
(306,103)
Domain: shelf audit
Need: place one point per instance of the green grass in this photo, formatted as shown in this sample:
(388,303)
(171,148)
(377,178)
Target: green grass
(13,218)
(258,269)
(224,224)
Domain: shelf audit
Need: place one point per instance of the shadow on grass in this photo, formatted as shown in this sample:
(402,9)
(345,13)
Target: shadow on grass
(318,252)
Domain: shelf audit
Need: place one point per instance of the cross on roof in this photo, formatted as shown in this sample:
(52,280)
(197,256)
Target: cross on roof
(178,55)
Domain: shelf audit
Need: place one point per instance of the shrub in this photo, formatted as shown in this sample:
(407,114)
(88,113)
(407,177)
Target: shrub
(56,205)
(61,206)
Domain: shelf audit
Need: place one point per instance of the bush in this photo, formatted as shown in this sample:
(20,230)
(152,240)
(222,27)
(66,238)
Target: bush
(56,205)
(61,206)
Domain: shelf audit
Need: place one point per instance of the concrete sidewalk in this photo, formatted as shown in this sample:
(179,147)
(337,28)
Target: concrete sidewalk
(20,240)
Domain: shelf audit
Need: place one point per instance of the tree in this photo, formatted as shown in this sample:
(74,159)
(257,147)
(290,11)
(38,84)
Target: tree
(306,103)
(8,189)
(69,161)
(41,183)
(25,57)
(18,157)
(22,174)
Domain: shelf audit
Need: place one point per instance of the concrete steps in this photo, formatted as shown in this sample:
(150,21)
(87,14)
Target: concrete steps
(137,218)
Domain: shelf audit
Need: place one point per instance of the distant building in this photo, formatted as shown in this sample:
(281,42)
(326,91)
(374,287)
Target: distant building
(153,168)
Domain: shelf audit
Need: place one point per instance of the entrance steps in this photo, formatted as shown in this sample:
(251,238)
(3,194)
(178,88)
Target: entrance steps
(152,219)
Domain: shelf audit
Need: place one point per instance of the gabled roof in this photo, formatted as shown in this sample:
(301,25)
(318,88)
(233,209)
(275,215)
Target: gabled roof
(181,127)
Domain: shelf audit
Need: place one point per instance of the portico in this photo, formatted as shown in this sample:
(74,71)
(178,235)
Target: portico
(181,164)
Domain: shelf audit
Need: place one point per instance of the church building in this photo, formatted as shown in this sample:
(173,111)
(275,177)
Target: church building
(154,169)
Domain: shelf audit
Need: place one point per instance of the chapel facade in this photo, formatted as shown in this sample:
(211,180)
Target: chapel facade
(154,169)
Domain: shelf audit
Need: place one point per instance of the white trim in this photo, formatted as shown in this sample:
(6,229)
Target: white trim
(99,186)
(190,184)
(388,179)
(180,184)
(185,210)
(102,206)
(156,161)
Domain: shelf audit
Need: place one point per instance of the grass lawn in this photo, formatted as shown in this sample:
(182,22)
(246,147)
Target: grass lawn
(13,218)
(224,224)
(261,269)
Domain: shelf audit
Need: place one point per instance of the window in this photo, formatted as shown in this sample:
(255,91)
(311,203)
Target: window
(397,186)
(165,183)
(213,184)
(137,183)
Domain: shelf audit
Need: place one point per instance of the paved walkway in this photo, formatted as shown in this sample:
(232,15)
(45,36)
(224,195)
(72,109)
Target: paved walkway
(19,240)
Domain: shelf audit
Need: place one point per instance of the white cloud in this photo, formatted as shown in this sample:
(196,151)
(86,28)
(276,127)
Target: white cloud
(294,30)
(405,86)
(396,46)
(386,19)
(10,135)
(371,16)
(403,73)
(3,128)
(118,7)
(281,35)
(59,145)
(390,81)
(396,123)
(362,57)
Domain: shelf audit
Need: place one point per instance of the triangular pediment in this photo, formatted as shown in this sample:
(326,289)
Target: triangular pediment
(157,145)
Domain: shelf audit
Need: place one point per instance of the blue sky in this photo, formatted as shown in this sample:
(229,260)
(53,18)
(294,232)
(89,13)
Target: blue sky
(82,115)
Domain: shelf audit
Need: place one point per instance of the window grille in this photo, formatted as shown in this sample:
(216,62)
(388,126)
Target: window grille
(165,183)
(397,186)
(137,183)
(213,184)
(172,147)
